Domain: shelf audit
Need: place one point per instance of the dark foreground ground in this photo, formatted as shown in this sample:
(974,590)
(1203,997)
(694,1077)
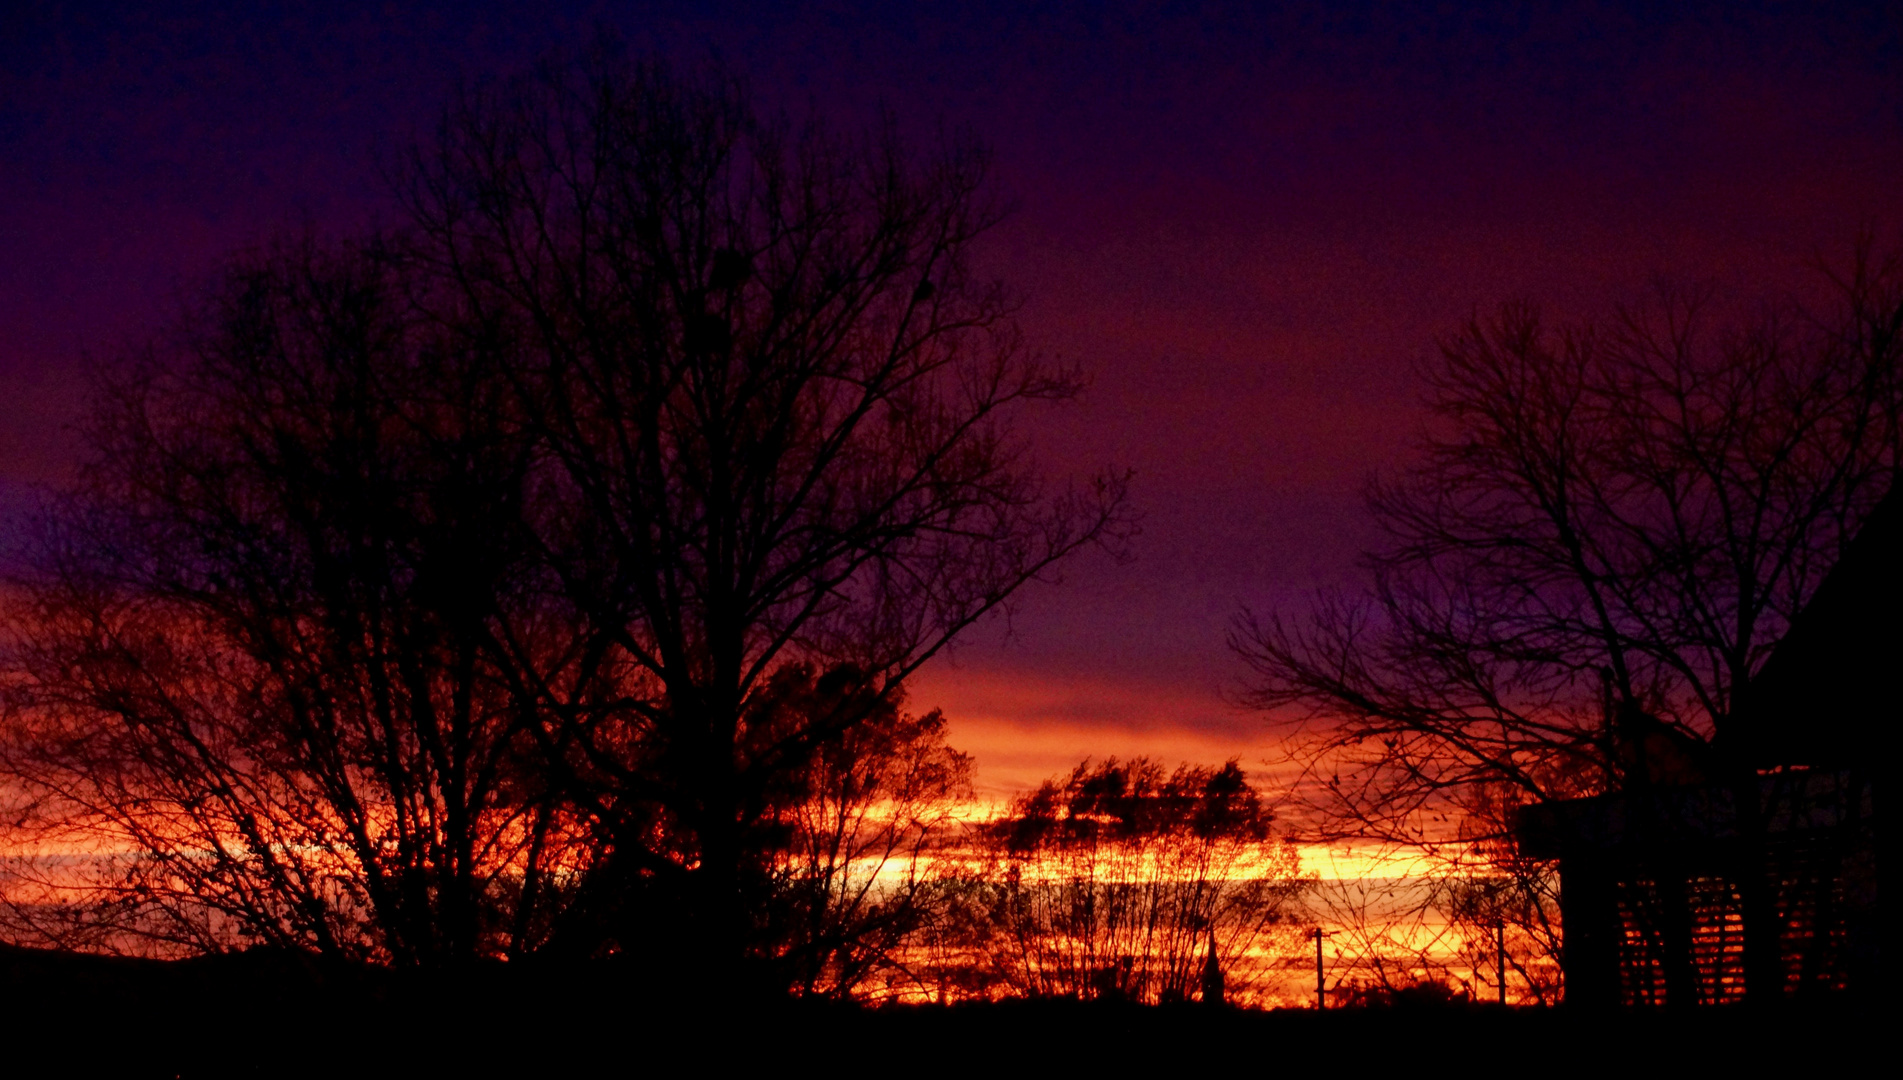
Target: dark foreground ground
(271,1015)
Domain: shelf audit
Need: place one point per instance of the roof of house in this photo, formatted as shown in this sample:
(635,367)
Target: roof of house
(1830,688)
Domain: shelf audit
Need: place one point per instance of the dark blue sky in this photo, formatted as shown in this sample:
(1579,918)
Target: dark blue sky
(1246,225)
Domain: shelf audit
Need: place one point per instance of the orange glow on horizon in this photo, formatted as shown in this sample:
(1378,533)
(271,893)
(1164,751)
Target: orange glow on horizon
(1023,728)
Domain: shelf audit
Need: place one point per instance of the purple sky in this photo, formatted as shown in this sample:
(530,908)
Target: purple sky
(1247,227)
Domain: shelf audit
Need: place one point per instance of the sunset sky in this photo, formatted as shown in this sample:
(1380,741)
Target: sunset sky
(1246,227)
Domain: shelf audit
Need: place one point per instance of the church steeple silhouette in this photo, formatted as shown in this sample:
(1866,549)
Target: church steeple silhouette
(1212,974)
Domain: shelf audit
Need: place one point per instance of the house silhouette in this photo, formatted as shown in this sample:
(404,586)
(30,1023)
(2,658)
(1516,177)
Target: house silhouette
(1746,867)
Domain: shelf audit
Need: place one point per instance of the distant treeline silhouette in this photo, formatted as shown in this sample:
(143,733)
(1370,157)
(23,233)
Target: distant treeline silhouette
(1125,882)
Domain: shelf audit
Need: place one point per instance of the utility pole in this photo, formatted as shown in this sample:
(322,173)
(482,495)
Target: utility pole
(1500,958)
(1321,1001)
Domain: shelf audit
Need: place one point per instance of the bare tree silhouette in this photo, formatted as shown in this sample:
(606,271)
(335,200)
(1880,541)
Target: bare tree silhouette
(775,405)
(252,686)
(544,574)
(1612,524)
